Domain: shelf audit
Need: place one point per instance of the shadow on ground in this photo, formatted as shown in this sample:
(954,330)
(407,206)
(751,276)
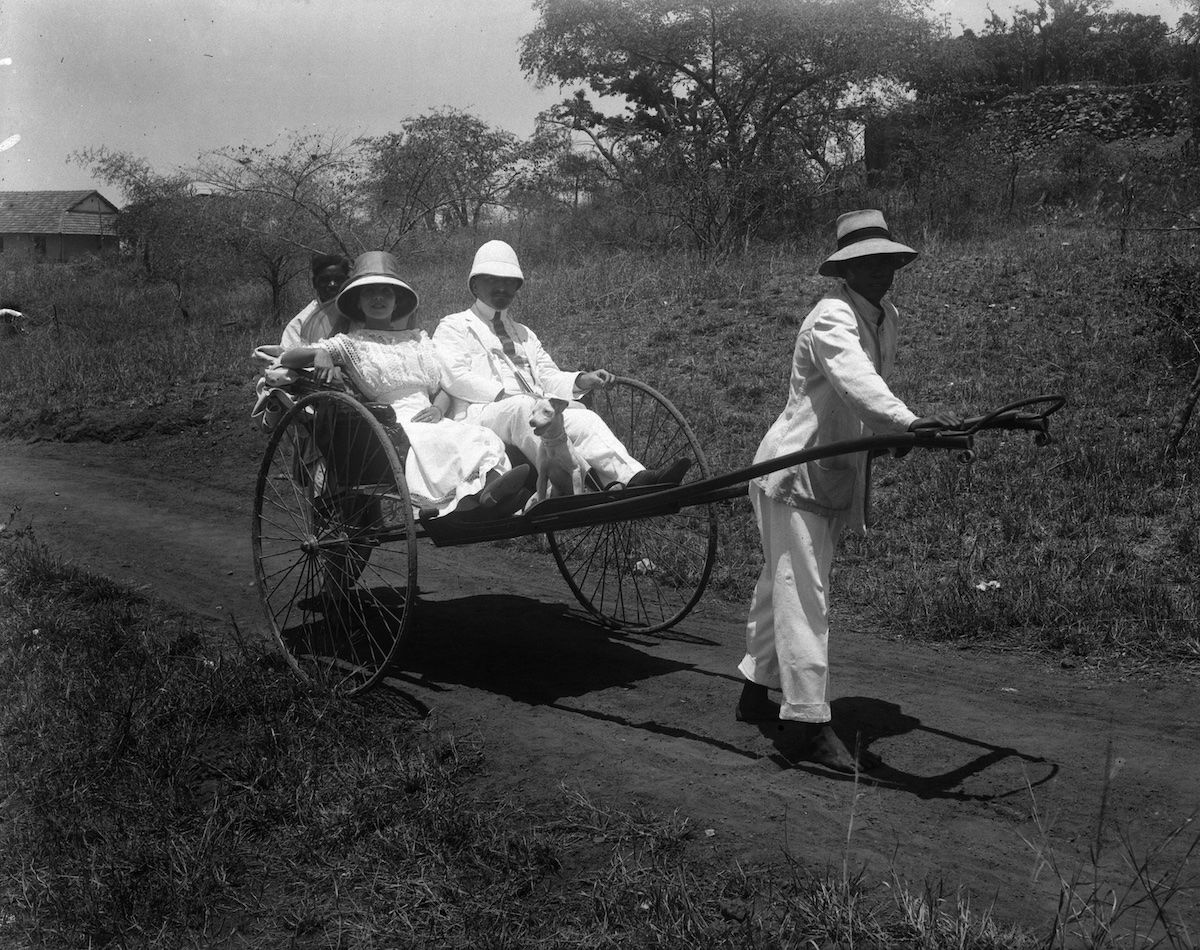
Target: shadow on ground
(530,651)
(862,721)
(546,654)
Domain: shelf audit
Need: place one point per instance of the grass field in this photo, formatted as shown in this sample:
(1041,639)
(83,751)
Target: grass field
(159,792)
(156,795)
(159,789)
(1089,547)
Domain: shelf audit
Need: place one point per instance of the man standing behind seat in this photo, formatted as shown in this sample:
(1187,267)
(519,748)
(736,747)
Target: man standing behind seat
(497,365)
(311,325)
(314,322)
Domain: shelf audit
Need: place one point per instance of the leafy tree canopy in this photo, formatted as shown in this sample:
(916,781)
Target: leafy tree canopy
(172,228)
(450,164)
(1054,42)
(728,98)
(731,67)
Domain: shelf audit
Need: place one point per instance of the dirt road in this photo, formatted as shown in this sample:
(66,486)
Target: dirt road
(972,742)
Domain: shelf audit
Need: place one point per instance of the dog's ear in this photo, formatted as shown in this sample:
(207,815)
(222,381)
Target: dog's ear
(559,404)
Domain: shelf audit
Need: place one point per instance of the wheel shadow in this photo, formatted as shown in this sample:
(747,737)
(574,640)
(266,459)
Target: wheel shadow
(861,721)
(528,650)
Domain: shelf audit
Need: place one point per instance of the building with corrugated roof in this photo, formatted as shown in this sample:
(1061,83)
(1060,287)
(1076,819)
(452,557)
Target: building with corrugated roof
(57,225)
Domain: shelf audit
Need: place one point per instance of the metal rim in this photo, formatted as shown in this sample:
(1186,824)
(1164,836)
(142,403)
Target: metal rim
(334,542)
(644,575)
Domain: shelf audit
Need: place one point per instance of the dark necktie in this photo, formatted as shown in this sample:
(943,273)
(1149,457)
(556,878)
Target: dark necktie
(510,348)
(517,358)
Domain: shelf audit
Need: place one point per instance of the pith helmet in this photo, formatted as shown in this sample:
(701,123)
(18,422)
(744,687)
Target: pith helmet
(861,234)
(376,267)
(496,259)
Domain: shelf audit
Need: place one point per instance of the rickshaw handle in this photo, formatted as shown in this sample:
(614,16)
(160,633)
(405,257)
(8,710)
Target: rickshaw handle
(731,485)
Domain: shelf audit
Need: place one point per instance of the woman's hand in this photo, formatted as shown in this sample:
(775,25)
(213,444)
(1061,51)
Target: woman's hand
(327,374)
(316,357)
(429,414)
(939,420)
(597,379)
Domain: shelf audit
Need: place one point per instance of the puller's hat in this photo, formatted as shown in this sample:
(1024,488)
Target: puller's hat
(376,267)
(861,234)
(496,259)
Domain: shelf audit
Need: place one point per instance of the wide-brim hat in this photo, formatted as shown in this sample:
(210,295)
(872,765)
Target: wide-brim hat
(861,234)
(376,267)
(496,259)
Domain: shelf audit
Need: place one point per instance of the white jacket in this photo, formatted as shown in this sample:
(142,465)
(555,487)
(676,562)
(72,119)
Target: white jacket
(477,371)
(837,392)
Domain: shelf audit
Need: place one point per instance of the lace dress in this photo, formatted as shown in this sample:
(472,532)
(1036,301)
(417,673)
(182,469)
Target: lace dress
(449,460)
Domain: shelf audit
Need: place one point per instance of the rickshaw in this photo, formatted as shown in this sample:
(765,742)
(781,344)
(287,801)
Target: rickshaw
(335,534)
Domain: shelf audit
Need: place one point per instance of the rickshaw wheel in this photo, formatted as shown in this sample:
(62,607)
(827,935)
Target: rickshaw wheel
(647,574)
(334,539)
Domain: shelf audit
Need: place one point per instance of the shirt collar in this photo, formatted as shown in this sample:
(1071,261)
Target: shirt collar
(484,312)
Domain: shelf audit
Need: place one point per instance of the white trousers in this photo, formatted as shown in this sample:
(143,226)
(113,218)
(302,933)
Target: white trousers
(787,632)
(592,438)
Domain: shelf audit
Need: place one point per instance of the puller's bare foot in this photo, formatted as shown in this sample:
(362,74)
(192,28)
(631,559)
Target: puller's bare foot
(825,748)
(755,705)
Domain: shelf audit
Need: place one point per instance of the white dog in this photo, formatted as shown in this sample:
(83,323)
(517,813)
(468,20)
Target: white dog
(560,468)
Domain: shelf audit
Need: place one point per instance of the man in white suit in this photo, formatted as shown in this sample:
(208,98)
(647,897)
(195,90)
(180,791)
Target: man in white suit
(497,368)
(843,354)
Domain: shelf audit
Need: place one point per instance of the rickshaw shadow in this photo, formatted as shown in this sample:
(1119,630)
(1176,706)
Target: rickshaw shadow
(860,721)
(528,650)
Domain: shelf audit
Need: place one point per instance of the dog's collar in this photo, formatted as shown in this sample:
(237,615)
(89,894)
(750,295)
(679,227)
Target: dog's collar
(555,440)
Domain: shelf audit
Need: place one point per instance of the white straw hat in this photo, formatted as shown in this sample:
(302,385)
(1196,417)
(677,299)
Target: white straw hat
(496,259)
(861,234)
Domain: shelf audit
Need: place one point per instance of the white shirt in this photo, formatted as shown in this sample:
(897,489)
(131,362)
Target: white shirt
(311,324)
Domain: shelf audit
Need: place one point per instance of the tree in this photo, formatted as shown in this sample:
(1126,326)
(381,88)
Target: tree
(449,167)
(165,221)
(400,184)
(257,208)
(315,193)
(179,227)
(372,191)
(1189,29)
(1130,48)
(476,163)
(1065,41)
(306,189)
(551,176)
(262,240)
(727,101)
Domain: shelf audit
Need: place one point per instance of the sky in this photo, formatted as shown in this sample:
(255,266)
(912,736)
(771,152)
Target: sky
(167,80)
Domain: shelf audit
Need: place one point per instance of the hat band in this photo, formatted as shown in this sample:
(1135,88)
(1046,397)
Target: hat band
(863,234)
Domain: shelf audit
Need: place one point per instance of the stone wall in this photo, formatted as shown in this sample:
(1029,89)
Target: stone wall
(1107,113)
(1033,120)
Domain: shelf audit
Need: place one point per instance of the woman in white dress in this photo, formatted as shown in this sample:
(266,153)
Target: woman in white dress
(452,466)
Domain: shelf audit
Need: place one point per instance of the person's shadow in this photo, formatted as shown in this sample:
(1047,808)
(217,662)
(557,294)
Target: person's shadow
(544,653)
(859,721)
